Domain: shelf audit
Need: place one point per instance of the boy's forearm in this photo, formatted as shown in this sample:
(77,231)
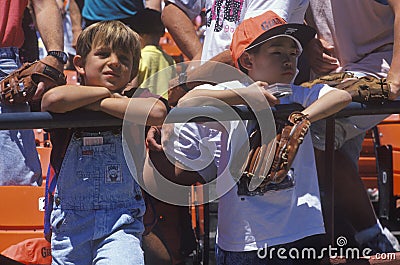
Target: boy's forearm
(204,97)
(69,97)
(327,105)
(147,111)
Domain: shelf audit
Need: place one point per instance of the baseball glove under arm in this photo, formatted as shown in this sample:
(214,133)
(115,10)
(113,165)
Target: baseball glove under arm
(20,86)
(366,89)
(287,142)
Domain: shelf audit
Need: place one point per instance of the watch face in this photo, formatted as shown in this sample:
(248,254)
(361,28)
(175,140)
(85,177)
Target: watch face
(182,78)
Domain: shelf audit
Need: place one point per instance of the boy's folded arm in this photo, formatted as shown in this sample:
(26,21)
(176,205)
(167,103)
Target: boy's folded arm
(203,97)
(69,97)
(328,104)
(147,111)
(254,94)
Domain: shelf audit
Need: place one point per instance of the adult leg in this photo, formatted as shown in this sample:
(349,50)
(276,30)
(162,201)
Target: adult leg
(352,199)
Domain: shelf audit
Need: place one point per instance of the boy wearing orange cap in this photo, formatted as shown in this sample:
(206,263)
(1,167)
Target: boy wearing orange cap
(262,225)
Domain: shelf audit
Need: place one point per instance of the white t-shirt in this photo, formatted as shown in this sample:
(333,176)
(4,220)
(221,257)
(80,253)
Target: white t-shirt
(224,16)
(248,223)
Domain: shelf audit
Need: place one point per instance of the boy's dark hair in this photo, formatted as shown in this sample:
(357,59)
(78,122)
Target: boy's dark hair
(148,21)
(253,50)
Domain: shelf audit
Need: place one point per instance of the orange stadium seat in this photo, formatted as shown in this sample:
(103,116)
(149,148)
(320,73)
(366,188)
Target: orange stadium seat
(389,131)
(22,214)
(72,77)
(197,209)
(22,210)
(367,162)
(44,156)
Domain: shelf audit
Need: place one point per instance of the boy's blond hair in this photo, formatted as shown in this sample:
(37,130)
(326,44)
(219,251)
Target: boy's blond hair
(114,34)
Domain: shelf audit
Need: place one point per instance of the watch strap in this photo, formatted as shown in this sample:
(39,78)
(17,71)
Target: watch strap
(59,55)
(182,78)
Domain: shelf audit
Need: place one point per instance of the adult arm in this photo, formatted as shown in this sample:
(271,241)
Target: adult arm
(182,30)
(76,20)
(49,24)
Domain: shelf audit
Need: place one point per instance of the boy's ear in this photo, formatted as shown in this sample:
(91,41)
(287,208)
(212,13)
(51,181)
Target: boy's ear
(79,64)
(245,61)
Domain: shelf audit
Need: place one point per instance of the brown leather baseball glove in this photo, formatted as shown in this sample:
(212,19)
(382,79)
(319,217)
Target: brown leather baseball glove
(367,89)
(287,143)
(20,86)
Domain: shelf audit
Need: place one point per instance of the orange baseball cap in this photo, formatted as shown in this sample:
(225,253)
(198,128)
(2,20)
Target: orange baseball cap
(257,30)
(30,251)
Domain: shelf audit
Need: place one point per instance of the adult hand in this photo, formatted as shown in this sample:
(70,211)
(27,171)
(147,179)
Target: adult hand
(41,88)
(394,86)
(50,60)
(319,55)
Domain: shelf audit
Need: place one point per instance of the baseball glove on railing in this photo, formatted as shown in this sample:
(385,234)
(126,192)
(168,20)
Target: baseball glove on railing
(20,86)
(287,141)
(366,89)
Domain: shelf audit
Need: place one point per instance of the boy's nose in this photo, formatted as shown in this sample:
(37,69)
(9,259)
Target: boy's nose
(114,61)
(287,63)
(286,58)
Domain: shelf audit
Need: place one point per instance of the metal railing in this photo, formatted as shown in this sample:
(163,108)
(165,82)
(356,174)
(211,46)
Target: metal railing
(79,118)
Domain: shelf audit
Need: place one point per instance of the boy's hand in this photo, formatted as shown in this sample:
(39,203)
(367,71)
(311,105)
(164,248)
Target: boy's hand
(117,95)
(252,94)
(153,139)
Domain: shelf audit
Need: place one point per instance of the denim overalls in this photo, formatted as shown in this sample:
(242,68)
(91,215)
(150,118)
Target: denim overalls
(98,205)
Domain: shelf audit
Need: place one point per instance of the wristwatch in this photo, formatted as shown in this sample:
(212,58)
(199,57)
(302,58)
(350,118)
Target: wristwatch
(182,79)
(59,55)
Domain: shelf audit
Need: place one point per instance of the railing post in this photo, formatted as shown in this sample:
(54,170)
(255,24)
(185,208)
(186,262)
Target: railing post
(329,183)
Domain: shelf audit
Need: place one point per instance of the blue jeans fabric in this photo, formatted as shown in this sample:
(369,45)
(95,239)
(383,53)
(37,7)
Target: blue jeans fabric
(98,207)
(20,163)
